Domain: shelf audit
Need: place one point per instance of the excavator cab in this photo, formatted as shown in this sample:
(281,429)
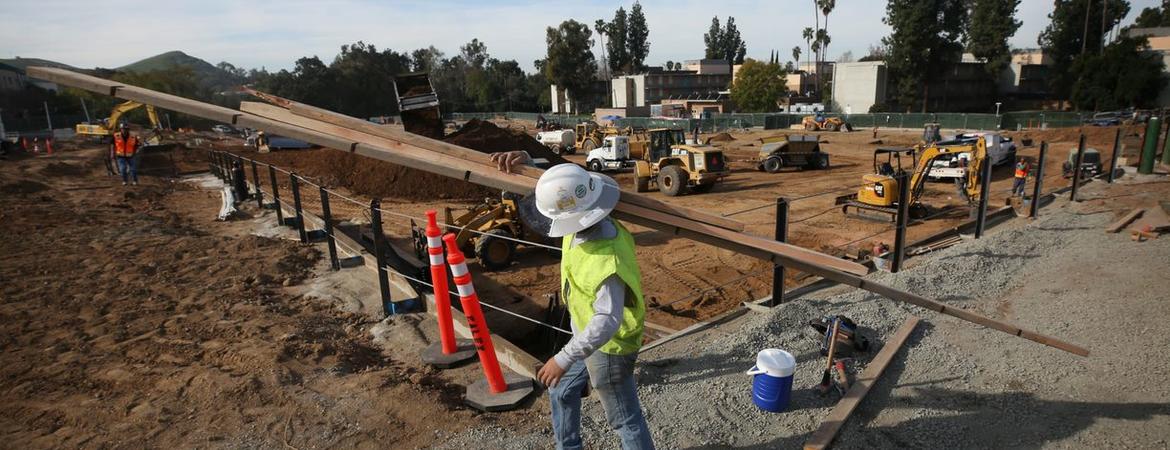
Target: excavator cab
(881,187)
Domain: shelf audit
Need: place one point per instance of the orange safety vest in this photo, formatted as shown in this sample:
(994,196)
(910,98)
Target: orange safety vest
(1021,170)
(126,147)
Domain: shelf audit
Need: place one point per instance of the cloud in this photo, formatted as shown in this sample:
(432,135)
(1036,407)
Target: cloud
(273,34)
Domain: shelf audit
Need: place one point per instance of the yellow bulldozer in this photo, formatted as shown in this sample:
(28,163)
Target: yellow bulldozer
(880,192)
(488,230)
(665,160)
(591,135)
(810,123)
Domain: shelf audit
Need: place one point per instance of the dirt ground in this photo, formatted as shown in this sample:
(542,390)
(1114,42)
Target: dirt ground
(685,281)
(130,318)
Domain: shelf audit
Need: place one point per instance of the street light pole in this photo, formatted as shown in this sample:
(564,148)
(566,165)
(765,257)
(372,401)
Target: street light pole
(997,123)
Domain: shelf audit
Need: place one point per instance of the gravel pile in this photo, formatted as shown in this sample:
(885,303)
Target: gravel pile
(957,385)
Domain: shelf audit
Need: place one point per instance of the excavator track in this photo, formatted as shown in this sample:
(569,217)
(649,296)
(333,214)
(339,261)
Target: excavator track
(870,212)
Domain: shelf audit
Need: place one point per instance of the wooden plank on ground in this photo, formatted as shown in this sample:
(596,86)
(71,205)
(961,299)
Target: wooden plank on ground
(1125,220)
(824,435)
(805,260)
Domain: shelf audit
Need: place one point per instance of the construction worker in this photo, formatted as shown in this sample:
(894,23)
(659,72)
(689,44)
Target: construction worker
(1021,177)
(601,286)
(126,147)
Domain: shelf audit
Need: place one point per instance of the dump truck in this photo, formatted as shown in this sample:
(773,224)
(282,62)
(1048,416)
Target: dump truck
(677,168)
(797,150)
(418,105)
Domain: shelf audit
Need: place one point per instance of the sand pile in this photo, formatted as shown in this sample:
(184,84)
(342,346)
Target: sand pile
(721,137)
(376,178)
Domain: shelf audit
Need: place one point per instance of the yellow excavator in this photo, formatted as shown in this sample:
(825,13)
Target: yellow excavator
(108,126)
(880,190)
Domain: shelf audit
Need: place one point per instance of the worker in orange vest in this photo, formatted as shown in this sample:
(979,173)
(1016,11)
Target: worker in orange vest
(1021,177)
(126,151)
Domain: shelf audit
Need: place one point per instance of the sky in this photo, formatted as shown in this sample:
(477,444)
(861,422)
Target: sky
(274,33)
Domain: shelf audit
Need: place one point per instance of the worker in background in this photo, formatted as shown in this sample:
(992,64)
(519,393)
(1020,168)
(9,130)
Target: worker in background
(126,147)
(601,286)
(1021,177)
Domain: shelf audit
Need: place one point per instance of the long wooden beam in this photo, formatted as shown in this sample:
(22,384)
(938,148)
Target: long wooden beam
(435,162)
(823,437)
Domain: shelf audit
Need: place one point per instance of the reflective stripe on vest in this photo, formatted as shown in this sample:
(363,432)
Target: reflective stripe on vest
(585,266)
(1021,171)
(125,147)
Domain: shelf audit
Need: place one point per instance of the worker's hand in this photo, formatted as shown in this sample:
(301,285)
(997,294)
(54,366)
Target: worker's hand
(508,161)
(550,373)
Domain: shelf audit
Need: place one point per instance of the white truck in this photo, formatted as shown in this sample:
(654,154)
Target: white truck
(614,154)
(560,141)
(1000,150)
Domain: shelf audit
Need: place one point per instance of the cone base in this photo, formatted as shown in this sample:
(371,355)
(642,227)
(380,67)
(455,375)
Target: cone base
(433,354)
(480,396)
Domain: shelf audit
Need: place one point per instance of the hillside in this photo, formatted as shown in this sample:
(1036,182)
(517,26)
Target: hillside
(206,74)
(23,63)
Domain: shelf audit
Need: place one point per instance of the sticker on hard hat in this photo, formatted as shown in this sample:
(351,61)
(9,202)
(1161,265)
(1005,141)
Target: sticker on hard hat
(581,190)
(565,201)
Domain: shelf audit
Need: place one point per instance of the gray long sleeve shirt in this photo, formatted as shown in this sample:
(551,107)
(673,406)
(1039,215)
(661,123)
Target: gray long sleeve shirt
(607,306)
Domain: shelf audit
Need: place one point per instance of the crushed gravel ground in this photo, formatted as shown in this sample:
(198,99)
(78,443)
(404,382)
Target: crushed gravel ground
(956,385)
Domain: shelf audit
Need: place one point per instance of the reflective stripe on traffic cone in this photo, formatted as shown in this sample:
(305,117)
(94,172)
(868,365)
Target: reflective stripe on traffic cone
(475,320)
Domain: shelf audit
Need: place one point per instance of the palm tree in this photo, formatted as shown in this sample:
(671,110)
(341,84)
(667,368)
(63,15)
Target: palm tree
(599,25)
(796,55)
(808,37)
(826,8)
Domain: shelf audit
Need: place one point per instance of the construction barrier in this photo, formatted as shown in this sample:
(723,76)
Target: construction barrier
(475,321)
(439,281)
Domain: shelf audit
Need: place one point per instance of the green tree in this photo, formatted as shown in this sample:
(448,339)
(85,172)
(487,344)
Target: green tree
(1068,35)
(637,33)
(569,62)
(425,59)
(993,22)
(619,54)
(796,54)
(1154,16)
(1124,74)
(757,86)
(924,42)
(725,42)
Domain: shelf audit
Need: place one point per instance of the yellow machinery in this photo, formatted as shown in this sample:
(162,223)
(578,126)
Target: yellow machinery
(110,125)
(880,191)
(830,124)
(676,167)
(590,135)
(487,230)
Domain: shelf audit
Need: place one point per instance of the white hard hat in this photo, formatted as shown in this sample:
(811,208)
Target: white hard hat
(574,199)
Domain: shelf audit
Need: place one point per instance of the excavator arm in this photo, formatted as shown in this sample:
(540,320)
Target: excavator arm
(971,187)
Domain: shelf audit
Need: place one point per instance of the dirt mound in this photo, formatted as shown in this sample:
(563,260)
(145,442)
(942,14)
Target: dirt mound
(23,187)
(62,169)
(721,137)
(486,137)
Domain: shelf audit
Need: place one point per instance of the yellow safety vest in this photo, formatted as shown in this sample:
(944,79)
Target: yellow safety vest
(585,266)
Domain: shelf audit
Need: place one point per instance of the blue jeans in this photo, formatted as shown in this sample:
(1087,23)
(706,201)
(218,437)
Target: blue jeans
(128,166)
(612,378)
(1018,186)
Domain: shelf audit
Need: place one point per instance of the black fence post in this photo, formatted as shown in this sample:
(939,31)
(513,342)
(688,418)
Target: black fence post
(210,161)
(383,277)
(327,217)
(984,195)
(256,184)
(294,182)
(275,194)
(1034,211)
(902,220)
(781,236)
(215,162)
(1076,180)
(1116,151)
